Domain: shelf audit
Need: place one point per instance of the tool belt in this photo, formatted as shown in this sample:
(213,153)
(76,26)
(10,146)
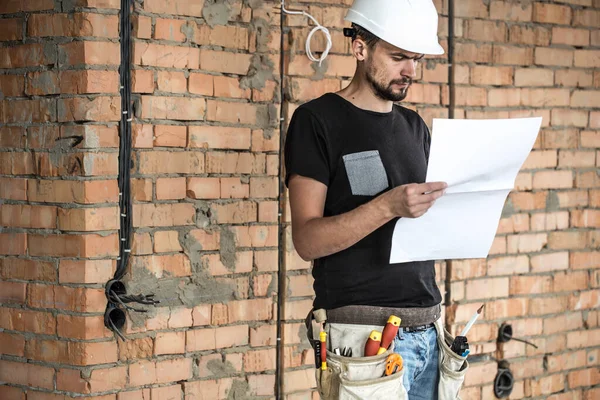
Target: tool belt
(411,318)
(360,377)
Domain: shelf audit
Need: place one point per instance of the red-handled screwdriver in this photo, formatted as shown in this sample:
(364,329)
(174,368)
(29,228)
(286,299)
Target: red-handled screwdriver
(323,338)
(373,343)
(389,333)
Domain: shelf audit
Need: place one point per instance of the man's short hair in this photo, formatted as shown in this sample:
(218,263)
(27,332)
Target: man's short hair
(370,39)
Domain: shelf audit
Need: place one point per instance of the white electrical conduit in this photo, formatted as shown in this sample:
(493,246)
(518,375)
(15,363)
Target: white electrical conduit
(318,27)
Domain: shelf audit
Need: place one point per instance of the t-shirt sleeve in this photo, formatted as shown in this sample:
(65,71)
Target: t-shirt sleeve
(306,150)
(426,141)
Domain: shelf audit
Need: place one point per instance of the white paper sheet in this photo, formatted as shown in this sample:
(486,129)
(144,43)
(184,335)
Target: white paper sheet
(480,160)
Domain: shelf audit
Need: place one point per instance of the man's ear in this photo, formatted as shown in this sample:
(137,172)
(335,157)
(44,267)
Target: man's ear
(359,49)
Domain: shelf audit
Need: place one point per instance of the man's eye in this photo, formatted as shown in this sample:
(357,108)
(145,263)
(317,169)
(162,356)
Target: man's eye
(399,58)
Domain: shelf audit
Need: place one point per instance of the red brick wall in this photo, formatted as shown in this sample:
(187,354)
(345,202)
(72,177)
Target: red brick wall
(58,211)
(205,166)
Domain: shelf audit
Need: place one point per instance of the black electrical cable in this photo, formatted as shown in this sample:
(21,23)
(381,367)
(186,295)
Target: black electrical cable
(451,106)
(116,293)
(279,357)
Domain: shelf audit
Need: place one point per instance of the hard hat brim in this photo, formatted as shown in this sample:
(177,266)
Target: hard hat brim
(430,48)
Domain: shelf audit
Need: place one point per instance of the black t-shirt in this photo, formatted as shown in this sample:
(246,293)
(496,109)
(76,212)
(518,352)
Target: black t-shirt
(359,154)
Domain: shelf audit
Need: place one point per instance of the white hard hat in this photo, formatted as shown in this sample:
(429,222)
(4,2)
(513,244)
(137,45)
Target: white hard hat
(411,25)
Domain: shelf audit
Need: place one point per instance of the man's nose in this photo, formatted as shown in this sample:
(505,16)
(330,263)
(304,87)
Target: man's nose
(410,68)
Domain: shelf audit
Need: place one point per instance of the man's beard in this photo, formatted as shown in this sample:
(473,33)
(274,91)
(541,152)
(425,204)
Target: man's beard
(386,92)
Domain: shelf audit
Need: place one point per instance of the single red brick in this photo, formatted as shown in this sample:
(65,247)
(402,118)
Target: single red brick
(162,265)
(84,328)
(169,343)
(178,108)
(12,344)
(142,81)
(86,271)
(142,26)
(201,84)
(234,37)
(158,55)
(89,52)
(170,136)
(27,321)
(225,86)
(13,243)
(149,215)
(10,392)
(12,86)
(225,62)
(170,29)
(192,8)
(170,188)
(26,55)
(166,242)
(215,137)
(13,6)
(26,374)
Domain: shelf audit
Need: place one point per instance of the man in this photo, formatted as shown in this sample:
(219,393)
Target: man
(355,163)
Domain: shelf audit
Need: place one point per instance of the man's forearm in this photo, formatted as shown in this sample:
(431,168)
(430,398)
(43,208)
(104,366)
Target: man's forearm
(320,237)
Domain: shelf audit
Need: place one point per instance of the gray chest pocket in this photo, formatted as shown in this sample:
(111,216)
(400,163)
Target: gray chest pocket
(366,173)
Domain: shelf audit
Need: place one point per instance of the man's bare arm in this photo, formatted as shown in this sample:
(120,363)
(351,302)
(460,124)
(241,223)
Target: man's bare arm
(316,236)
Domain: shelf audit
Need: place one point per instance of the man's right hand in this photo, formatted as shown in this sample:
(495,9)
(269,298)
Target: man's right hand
(414,199)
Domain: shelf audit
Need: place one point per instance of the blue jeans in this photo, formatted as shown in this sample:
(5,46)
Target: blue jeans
(419,351)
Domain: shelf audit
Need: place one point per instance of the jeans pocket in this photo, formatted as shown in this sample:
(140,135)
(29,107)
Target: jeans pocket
(453,367)
(366,173)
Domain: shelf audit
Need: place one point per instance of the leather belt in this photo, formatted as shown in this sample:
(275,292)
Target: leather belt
(417,318)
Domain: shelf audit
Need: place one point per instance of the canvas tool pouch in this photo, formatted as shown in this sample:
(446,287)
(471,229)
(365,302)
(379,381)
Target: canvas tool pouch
(363,377)
(453,367)
(354,378)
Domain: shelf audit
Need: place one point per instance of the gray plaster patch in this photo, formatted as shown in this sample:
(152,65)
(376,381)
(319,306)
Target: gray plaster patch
(267,116)
(273,287)
(202,287)
(57,152)
(508,209)
(268,133)
(260,26)
(88,164)
(260,70)
(203,214)
(92,140)
(320,69)
(239,391)
(227,249)
(221,368)
(254,4)
(188,31)
(50,52)
(65,5)
(430,64)
(216,12)
(552,202)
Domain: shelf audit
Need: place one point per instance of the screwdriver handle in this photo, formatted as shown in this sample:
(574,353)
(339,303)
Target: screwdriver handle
(373,343)
(389,333)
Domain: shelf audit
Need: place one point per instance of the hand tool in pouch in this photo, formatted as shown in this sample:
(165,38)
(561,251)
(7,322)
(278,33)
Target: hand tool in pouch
(323,337)
(317,346)
(393,364)
(373,344)
(389,333)
(460,345)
